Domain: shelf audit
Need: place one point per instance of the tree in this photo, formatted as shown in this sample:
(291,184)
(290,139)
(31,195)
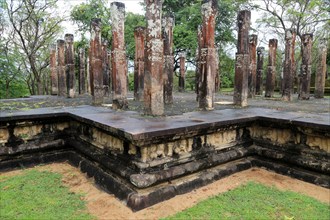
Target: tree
(35,25)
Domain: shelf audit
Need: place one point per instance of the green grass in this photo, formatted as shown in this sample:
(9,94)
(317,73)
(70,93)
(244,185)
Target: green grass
(39,195)
(256,201)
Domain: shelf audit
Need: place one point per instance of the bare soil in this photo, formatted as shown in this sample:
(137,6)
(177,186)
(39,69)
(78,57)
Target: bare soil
(106,206)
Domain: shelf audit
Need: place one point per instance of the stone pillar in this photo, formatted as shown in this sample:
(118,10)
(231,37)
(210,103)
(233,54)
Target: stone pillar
(260,63)
(182,72)
(306,67)
(82,71)
(208,63)
(252,78)
(198,61)
(61,68)
(53,70)
(69,66)
(217,75)
(271,69)
(288,72)
(242,59)
(105,67)
(168,26)
(88,84)
(95,59)
(118,61)
(321,69)
(153,75)
(139,36)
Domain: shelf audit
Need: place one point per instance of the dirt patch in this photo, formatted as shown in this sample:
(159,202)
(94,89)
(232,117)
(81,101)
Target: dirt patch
(106,206)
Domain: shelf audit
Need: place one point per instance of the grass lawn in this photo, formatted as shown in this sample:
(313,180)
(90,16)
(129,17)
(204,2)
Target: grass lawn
(256,201)
(39,195)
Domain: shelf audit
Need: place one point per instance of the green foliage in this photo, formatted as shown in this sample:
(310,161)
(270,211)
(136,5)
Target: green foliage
(227,71)
(256,201)
(131,81)
(39,195)
(132,21)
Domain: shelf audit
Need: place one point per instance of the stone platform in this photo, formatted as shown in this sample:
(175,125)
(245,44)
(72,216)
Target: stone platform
(145,160)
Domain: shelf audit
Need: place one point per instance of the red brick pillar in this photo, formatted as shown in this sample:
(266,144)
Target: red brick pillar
(260,63)
(182,72)
(288,70)
(53,70)
(168,26)
(96,72)
(61,68)
(69,66)
(242,59)
(306,67)
(198,62)
(321,69)
(118,55)
(105,67)
(139,36)
(153,75)
(208,62)
(253,65)
(271,69)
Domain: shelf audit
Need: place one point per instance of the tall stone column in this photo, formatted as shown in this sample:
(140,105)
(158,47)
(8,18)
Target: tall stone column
(62,90)
(208,62)
(242,59)
(217,76)
(260,63)
(168,26)
(288,72)
(95,59)
(271,69)
(198,62)
(139,36)
(82,71)
(182,72)
(253,65)
(53,70)
(306,67)
(118,61)
(153,75)
(105,67)
(69,66)
(321,69)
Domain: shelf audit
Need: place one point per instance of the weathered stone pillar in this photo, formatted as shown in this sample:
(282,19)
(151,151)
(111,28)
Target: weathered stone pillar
(69,65)
(306,67)
(105,67)
(118,61)
(242,59)
(139,36)
(168,26)
(208,63)
(288,72)
(153,75)
(260,63)
(271,68)
(198,61)
(61,68)
(252,78)
(321,69)
(182,71)
(217,80)
(82,71)
(96,71)
(53,70)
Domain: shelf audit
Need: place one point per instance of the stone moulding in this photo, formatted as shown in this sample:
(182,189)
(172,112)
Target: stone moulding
(144,161)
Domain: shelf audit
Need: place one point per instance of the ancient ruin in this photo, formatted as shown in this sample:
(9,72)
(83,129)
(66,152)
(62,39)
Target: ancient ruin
(168,26)
(207,56)
(82,71)
(105,68)
(182,72)
(153,67)
(242,59)
(62,87)
(271,68)
(289,65)
(306,67)
(139,35)
(321,70)
(53,70)
(260,63)
(118,57)
(69,66)
(253,65)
